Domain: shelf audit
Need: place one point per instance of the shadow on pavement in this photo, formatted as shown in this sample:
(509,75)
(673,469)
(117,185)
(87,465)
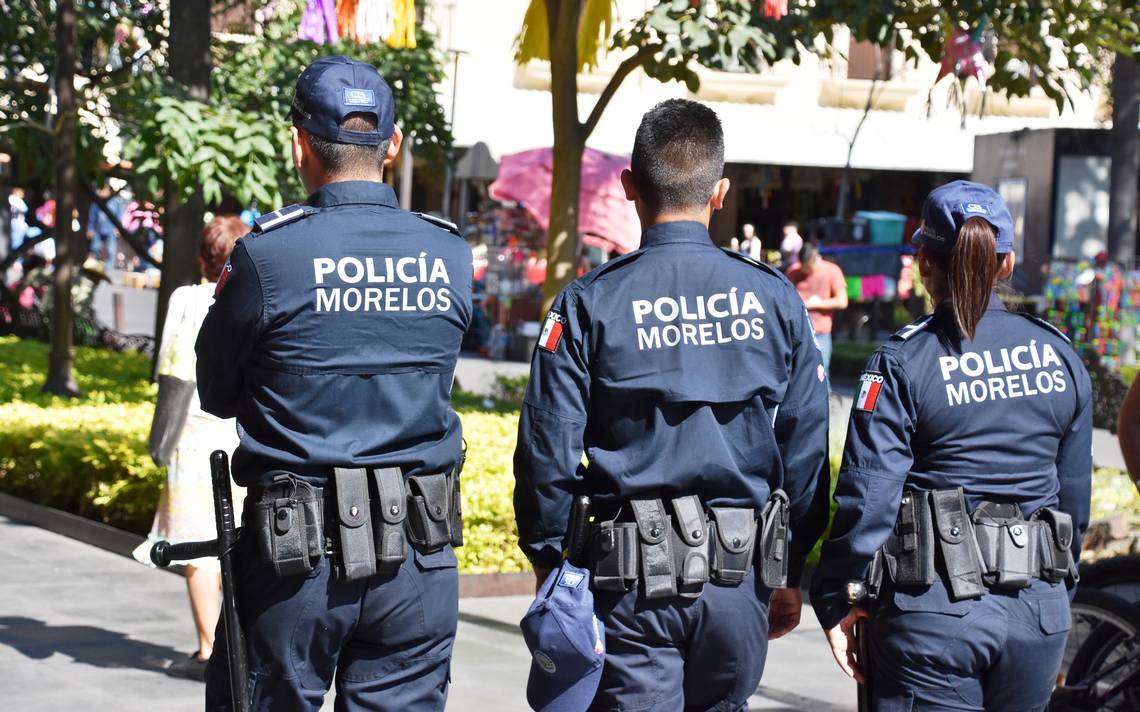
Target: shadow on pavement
(84,644)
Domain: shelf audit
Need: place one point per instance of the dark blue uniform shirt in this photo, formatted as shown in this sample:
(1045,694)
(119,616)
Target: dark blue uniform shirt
(334,336)
(1007,417)
(678,369)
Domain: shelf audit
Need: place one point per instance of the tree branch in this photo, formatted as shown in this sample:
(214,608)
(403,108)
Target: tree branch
(624,69)
(130,236)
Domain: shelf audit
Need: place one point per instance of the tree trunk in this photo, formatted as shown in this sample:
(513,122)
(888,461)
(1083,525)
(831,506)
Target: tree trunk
(566,181)
(182,222)
(61,379)
(1125,152)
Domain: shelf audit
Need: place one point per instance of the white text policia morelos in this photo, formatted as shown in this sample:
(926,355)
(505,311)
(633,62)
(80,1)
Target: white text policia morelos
(1014,372)
(410,280)
(704,320)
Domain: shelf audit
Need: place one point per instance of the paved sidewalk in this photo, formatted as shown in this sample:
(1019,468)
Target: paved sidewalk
(85,629)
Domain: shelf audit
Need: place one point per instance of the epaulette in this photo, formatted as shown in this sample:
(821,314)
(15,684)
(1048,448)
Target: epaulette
(609,266)
(440,222)
(755,263)
(1047,325)
(913,328)
(282,216)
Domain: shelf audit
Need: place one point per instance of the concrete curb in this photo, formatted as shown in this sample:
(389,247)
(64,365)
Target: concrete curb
(123,543)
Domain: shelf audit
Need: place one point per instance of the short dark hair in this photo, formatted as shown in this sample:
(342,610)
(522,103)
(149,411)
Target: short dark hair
(808,252)
(349,157)
(792,223)
(678,156)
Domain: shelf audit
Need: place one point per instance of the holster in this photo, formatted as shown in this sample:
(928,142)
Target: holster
(429,497)
(289,520)
(735,530)
(774,541)
(690,546)
(655,531)
(909,551)
(613,553)
(455,513)
(1008,545)
(357,549)
(389,513)
(957,543)
(1055,532)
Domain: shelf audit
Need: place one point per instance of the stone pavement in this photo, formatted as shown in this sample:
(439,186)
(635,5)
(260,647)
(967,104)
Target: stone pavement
(85,629)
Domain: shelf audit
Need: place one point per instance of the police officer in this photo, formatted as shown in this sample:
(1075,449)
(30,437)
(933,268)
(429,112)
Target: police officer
(333,340)
(690,378)
(972,613)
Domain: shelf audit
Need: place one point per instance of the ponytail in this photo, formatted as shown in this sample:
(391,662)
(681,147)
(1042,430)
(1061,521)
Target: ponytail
(971,271)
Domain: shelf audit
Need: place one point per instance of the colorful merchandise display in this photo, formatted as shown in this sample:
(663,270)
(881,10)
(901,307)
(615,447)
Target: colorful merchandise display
(1097,306)
(362,21)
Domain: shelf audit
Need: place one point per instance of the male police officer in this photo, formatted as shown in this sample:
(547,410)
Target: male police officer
(333,339)
(691,379)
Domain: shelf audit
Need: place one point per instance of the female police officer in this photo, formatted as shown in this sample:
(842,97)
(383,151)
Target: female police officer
(965,480)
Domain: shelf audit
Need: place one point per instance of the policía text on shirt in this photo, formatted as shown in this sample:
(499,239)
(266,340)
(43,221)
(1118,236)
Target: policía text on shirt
(710,320)
(999,374)
(412,277)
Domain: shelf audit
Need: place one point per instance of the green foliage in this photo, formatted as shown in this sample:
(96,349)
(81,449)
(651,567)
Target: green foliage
(511,389)
(849,357)
(1128,373)
(1113,492)
(104,377)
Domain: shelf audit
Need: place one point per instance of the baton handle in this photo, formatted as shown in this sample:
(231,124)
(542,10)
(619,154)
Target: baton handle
(163,552)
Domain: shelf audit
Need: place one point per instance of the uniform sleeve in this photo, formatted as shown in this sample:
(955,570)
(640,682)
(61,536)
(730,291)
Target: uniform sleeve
(876,461)
(228,334)
(551,426)
(801,433)
(1074,461)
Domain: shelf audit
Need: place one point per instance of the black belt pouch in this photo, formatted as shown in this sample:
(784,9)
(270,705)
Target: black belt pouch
(389,511)
(774,541)
(613,554)
(1055,529)
(690,546)
(957,543)
(735,529)
(910,549)
(357,550)
(1008,545)
(655,530)
(429,497)
(289,518)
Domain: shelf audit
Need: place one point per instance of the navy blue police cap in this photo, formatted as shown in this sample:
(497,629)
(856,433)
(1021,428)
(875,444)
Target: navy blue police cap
(331,88)
(948,207)
(566,641)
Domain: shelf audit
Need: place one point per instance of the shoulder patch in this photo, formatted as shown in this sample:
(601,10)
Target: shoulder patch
(1049,326)
(282,216)
(440,222)
(551,331)
(870,383)
(913,328)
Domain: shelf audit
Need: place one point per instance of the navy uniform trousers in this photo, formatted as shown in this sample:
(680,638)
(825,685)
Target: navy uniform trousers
(997,653)
(704,653)
(384,641)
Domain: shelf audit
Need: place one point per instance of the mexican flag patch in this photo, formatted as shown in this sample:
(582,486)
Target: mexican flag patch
(551,331)
(870,383)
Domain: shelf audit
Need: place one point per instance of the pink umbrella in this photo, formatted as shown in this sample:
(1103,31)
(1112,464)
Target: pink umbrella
(605,217)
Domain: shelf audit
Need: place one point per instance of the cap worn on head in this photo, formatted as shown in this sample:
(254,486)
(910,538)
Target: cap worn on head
(330,89)
(948,207)
(566,641)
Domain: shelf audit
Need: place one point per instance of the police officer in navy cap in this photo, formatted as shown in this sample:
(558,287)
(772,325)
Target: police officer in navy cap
(690,378)
(333,339)
(964,488)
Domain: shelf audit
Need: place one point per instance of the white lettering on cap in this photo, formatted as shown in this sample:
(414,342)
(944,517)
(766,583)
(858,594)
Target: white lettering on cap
(975,209)
(359,97)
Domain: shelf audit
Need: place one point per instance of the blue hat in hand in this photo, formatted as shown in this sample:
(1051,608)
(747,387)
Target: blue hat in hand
(566,641)
(948,207)
(331,88)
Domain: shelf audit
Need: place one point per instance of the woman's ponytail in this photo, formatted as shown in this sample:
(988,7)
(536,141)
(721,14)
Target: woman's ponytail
(971,273)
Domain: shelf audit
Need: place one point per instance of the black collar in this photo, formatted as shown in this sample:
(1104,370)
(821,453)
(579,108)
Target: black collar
(354,192)
(679,231)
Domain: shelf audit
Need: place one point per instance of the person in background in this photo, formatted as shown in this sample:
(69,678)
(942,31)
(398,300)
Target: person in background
(186,508)
(792,243)
(103,242)
(1128,430)
(18,208)
(822,287)
(750,244)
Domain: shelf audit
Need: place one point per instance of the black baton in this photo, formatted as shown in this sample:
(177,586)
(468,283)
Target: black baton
(163,553)
(863,660)
(579,525)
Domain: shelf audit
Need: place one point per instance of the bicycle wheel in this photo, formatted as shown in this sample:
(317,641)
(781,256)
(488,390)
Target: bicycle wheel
(1101,669)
